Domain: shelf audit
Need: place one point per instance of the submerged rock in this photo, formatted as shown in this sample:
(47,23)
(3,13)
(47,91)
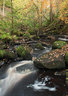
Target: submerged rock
(51,60)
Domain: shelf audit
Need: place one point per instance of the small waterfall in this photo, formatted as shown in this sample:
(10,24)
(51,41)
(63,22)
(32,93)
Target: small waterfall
(41,85)
(15,73)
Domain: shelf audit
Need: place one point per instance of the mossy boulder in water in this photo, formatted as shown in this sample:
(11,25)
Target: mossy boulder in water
(58,44)
(51,60)
(66,58)
(2,54)
(6,54)
(10,55)
(39,46)
(23,53)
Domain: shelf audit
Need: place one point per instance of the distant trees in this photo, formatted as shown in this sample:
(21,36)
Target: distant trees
(64,11)
(51,13)
(33,14)
(12,21)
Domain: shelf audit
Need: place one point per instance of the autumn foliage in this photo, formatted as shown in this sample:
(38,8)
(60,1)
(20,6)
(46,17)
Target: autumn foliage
(64,11)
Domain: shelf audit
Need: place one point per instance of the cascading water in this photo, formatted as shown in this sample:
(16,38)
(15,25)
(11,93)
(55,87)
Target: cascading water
(22,79)
(41,85)
(15,74)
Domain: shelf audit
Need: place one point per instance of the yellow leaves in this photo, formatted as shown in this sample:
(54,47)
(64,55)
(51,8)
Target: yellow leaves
(64,11)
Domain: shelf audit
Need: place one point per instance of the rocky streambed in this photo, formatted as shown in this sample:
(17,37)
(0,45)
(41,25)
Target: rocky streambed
(45,75)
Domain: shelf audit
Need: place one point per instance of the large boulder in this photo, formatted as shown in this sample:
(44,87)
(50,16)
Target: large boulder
(51,60)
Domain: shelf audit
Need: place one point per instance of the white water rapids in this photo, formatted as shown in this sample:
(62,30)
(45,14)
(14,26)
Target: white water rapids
(16,72)
(13,76)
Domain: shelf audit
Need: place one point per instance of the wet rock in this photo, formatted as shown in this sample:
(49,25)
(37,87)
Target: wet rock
(51,38)
(67,77)
(2,54)
(2,62)
(58,44)
(3,46)
(39,46)
(6,54)
(66,58)
(51,60)
(60,73)
(10,55)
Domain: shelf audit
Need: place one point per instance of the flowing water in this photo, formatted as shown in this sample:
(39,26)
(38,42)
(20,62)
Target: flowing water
(23,79)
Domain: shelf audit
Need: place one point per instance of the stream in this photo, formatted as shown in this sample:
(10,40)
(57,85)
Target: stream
(23,79)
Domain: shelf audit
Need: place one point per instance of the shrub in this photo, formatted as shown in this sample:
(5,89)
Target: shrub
(26,35)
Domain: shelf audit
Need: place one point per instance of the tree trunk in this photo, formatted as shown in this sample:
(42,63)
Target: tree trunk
(51,13)
(0,10)
(3,7)
(12,21)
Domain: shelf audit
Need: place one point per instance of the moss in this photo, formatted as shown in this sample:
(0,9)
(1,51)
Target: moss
(26,35)
(6,54)
(10,55)
(19,50)
(58,44)
(66,58)
(23,52)
(2,54)
(39,46)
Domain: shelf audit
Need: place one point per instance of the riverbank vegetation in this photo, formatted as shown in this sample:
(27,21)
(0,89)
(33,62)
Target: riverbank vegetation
(32,17)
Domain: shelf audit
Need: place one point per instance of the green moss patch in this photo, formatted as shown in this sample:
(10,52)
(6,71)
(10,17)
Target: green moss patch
(39,46)
(23,52)
(58,44)
(2,54)
(10,55)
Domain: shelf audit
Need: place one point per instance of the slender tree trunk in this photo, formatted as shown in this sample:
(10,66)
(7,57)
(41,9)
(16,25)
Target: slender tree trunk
(3,7)
(40,21)
(57,4)
(0,10)
(12,20)
(51,13)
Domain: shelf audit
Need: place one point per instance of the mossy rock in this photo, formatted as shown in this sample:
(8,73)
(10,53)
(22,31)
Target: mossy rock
(67,77)
(58,44)
(10,55)
(3,46)
(51,60)
(23,52)
(2,54)
(39,46)
(6,54)
(66,58)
